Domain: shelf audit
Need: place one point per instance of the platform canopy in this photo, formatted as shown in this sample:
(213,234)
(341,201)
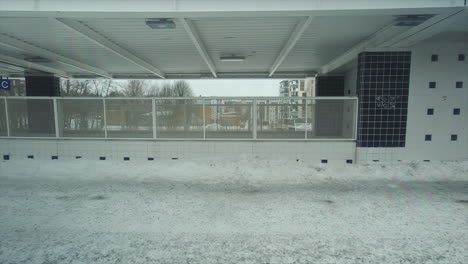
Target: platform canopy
(212,38)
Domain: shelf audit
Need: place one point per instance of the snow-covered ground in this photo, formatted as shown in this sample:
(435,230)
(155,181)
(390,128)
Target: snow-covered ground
(232,211)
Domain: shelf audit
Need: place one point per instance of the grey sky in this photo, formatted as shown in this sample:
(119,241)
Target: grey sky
(234,87)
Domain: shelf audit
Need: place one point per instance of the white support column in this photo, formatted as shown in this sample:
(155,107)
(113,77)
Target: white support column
(105,117)
(204,120)
(153,103)
(57,132)
(254,125)
(7,118)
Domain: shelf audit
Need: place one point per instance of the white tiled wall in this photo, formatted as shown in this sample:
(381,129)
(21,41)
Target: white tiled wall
(445,72)
(313,151)
(443,99)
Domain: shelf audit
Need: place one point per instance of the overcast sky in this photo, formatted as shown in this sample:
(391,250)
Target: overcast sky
(235,87)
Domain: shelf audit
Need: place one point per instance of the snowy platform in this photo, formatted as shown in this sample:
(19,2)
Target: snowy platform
(232,211)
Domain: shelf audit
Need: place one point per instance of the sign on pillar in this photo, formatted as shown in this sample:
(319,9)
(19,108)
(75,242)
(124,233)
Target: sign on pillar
(5,84)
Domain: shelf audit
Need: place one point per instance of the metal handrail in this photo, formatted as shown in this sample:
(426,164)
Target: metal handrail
(184,98)
(204,102)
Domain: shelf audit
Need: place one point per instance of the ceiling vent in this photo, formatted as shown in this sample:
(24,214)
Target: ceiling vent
(36,59)
(160,23)
(411,20)
(232,58)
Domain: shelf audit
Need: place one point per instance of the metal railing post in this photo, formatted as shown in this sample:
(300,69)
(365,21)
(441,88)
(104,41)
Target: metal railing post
(306,125)
(7,118)
(57,132)
(153,109)
(204,121)
(254,125)
(105,117)
(356,117)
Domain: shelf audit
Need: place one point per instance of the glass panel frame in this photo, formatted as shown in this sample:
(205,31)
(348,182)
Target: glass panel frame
(81,118)
(179,118)
(30,117)
(281,118)
(229,119)
(129,118)
(209,118)
(3,119)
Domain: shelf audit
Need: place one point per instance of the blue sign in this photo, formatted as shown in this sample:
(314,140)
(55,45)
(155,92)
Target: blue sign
(5,84)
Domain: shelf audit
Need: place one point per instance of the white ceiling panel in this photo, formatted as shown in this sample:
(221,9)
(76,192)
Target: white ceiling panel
(259,39)
(328,37)
(170,50)
(50,35)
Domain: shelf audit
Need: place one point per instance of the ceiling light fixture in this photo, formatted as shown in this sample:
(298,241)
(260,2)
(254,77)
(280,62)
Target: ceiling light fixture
(160,23)
(36,59)
(411,20)
(232,58)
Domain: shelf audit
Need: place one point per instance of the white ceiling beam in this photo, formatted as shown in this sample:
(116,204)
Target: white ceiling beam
(31,65)
(10,67)
(387,38)
(104,42)
(431,27)
(352,53)
(37,51)
(197,41)
(80,8)
(290,43)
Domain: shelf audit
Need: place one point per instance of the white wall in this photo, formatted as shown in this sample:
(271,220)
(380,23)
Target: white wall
(443,99)
(312,151)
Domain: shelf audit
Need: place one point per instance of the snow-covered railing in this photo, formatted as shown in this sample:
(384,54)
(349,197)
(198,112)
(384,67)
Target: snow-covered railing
(194,118)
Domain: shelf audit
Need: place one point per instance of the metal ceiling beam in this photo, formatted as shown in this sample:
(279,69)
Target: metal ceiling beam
(83,7)
(289,45)
(195,37)
(386,38)
(431,27)
(104,42)
(221,75)
(352,53)
(37,51)
(31,65)
(11,67)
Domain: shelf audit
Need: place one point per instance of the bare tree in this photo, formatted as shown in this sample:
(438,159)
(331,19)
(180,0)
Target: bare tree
(75,87)
(116,93)
(166,90)
(182,89)
(134,88)
(78,87)
(153,91)
(102,87)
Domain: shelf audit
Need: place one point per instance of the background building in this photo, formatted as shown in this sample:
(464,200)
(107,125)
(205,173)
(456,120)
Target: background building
(297,88)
